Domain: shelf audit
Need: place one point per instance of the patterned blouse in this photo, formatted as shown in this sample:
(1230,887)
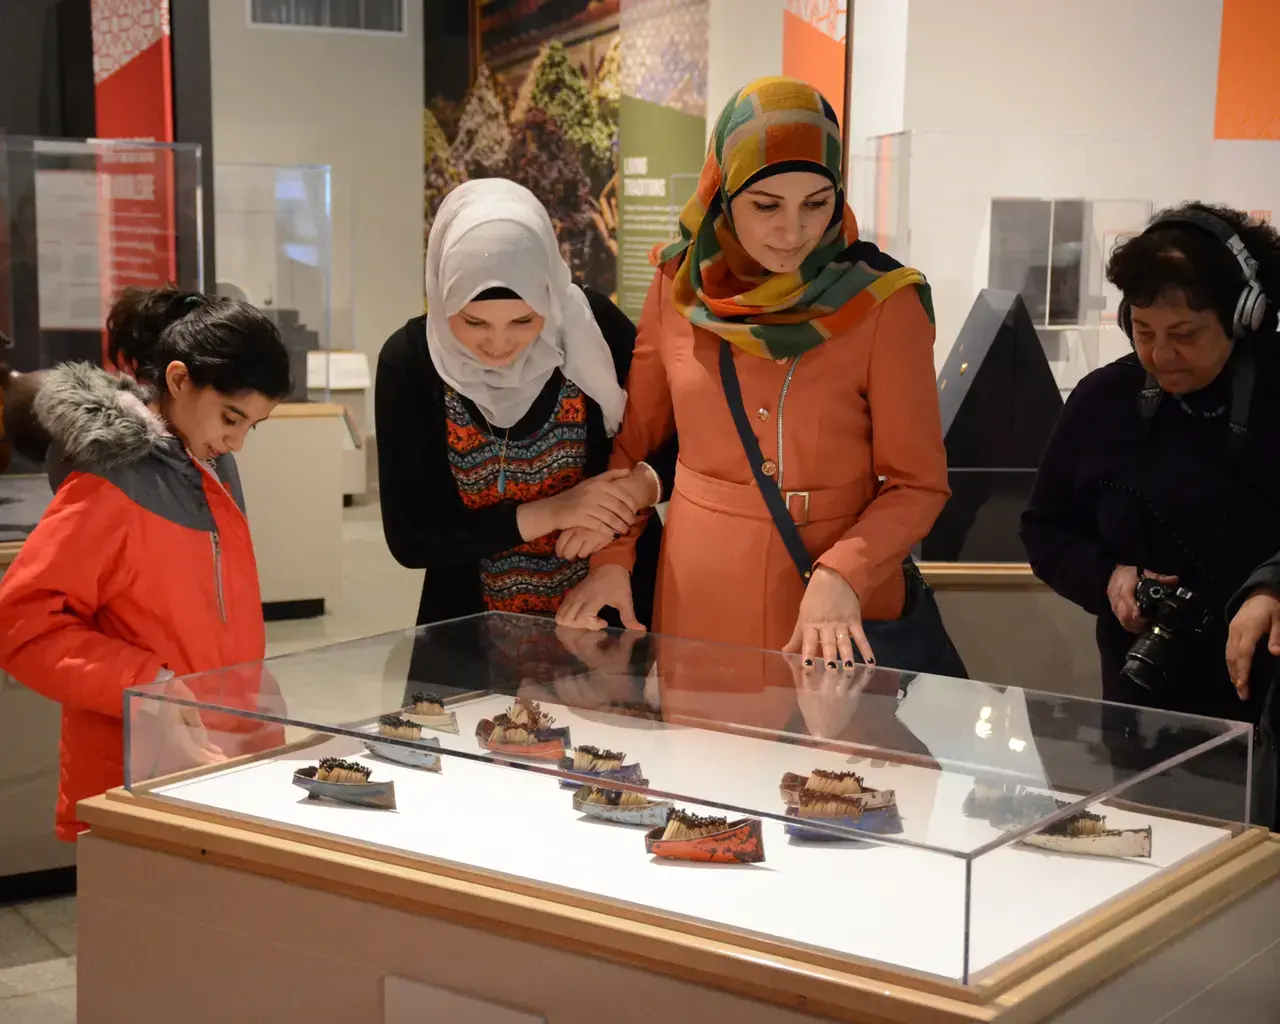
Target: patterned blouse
(530,579)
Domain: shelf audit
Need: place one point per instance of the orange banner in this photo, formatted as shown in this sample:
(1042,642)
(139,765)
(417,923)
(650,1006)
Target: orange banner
(1248,104)
(815,47)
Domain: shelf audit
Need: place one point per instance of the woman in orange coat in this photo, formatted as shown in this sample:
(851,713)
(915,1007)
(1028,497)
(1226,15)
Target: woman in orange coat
(832,343)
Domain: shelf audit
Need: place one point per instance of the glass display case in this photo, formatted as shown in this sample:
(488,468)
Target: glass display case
(275,250)
(80,220)
(1013,232)
(932,826)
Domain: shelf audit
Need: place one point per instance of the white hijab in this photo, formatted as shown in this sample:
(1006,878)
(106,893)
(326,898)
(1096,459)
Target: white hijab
(493,233)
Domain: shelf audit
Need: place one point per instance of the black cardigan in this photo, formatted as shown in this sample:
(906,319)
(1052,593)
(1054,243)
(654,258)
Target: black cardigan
(425,522)
(1165,495)
(1265,577)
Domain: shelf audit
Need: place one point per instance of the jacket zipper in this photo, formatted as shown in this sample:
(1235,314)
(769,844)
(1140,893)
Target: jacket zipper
(782,401)
(217,573)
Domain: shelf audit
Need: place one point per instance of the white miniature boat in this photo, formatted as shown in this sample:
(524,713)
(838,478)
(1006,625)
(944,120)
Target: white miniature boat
(622,807)
(1010,807)
(1130,842)
(398,727)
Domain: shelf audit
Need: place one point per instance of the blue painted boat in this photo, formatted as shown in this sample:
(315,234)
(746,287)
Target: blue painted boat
(631,774)
(885,821)
(652,813)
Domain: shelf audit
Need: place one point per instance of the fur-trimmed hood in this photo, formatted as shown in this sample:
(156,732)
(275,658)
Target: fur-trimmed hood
(99,422)
(96,420)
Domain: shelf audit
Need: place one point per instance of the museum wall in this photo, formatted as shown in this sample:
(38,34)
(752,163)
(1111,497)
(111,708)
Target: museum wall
(1088,99)
(289,96)
(878,93)
(745,42)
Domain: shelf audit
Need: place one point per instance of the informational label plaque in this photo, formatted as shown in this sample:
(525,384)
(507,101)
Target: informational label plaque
(68,250)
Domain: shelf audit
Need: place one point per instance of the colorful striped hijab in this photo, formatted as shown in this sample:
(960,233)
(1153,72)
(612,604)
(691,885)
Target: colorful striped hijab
(718,286)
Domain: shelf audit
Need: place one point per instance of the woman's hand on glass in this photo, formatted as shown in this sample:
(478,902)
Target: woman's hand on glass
(606,586)
(184,732)
(829,700)
(1258,617)
(829,625)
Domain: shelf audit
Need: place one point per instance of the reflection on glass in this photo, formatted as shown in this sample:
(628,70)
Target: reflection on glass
(581,760)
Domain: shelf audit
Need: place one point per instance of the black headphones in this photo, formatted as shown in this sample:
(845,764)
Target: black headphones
(1251,306)
(1251,309)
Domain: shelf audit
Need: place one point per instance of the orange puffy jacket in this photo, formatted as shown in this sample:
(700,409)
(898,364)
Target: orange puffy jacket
(141,562)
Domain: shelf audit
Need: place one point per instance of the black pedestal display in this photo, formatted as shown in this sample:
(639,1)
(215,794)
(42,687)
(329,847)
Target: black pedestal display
(299,340)
(999,403)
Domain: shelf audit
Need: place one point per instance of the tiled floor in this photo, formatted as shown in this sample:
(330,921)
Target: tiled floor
(38,940)
(38,962)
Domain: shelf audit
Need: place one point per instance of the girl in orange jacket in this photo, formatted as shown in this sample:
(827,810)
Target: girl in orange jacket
(142,566)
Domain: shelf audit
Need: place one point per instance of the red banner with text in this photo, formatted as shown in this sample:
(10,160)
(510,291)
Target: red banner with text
(132,64)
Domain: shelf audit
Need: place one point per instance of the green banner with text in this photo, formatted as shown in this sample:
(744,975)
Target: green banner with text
(660,158)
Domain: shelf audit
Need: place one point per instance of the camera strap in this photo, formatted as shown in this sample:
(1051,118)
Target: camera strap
(1244,375)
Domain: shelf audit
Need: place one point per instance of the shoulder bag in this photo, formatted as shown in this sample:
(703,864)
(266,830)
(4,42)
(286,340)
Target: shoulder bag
(917,642)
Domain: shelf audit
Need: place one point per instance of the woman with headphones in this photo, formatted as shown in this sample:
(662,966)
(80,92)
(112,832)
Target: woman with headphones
(1157,495)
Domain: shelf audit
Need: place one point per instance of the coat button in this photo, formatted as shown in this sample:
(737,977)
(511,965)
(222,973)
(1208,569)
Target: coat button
(762,413)
(769,467)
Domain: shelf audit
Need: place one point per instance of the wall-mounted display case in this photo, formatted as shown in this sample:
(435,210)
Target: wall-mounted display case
(944,835)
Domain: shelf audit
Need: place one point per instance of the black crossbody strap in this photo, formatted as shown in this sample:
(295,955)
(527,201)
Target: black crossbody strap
(755,459)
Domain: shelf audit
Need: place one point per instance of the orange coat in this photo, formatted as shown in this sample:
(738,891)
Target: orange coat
(142,561)
(861,443)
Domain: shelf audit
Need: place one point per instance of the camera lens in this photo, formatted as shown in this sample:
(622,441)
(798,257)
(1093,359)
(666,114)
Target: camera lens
(1149,660)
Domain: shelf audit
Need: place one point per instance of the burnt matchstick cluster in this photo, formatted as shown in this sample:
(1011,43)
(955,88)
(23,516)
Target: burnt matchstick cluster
(1078,825)
(683,825)
(828,805)
(427,704)
(593,759)
(612,797)
(335,769)
(521,723)
(834,783)
(398,727)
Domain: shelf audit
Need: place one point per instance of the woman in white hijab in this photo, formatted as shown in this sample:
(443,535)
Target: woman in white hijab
(494,417)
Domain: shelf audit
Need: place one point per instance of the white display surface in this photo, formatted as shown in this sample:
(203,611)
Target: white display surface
(893,904)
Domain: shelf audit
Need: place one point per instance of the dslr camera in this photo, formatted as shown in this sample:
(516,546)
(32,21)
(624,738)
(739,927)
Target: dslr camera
(1176,617)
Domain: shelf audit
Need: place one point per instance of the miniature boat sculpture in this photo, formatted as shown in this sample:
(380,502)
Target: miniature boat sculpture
(347,781)
(606,765)
(401,728)
(711,840)
(428,711)
(1011,807)
(524,730)
(621,806)
(838,798)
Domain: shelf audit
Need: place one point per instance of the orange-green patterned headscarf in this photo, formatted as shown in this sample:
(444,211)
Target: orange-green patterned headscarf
(718,286)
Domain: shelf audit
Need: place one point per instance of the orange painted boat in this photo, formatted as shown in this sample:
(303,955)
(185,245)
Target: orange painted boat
(552,748)
(741,843)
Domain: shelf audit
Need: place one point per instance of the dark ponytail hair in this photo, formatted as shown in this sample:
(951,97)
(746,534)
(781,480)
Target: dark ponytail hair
(225,344)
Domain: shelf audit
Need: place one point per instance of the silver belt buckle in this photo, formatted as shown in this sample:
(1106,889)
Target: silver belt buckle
(803,518)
